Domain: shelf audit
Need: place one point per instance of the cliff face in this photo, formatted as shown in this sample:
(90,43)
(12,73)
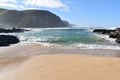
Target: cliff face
(30,19)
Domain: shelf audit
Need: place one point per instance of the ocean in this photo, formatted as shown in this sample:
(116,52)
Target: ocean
(82,38)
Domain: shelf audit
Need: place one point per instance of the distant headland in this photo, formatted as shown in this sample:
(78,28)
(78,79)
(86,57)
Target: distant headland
(30,19)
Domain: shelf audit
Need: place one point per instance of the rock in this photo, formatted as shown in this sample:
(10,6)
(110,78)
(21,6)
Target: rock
(2,30)
(103,31)
(117,29)
(118,40)
(114,35)
(111,33)
(6,40)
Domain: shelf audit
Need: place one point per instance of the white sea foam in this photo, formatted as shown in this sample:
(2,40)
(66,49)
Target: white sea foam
(44,42)
(106,37)
(37,29)
(80,45)
(32,39)
(37,40)
(95,46)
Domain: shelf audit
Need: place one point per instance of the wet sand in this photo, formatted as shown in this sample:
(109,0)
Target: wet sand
(24,49)
(6,61)
(42,63)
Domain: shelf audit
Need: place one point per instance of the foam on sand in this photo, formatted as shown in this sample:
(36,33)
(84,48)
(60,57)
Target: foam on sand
(65,67)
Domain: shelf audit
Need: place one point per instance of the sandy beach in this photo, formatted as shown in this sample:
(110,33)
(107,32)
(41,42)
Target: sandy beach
(58,66)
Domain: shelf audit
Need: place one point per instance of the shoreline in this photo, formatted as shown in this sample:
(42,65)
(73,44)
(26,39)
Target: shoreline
(18,53)
(32,49)
(37,62)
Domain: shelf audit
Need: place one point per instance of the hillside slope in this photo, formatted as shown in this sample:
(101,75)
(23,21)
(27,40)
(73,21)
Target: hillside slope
(30,19)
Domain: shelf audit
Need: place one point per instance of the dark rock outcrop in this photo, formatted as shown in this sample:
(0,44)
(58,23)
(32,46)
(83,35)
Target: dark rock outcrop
(30,19)
(111,33)
(16,30)
(118,40)
(114,35)
(103,31)
(6,40)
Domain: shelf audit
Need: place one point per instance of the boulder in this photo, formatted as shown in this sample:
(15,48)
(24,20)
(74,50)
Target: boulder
(118,40)
(111,33)
(3,30)
(117,29)
(103,31)
(114,35)
(6,40)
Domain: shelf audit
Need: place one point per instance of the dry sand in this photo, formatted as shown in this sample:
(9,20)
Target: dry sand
(65,67)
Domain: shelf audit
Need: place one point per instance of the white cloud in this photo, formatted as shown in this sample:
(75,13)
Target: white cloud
(8,5)
(34,4)
(46,3)
(6,1)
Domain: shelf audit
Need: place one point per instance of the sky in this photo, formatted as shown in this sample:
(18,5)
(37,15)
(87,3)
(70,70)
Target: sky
(83,13)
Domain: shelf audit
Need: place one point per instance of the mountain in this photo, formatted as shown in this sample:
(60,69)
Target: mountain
(30,19)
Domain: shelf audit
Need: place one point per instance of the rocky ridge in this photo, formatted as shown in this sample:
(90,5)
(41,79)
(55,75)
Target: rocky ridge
(30,19)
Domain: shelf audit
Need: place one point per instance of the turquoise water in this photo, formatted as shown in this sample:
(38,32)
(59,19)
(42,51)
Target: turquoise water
(67,37)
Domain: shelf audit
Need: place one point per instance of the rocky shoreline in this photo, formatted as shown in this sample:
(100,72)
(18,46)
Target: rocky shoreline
(115,33)
(6,40)
(12,30)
